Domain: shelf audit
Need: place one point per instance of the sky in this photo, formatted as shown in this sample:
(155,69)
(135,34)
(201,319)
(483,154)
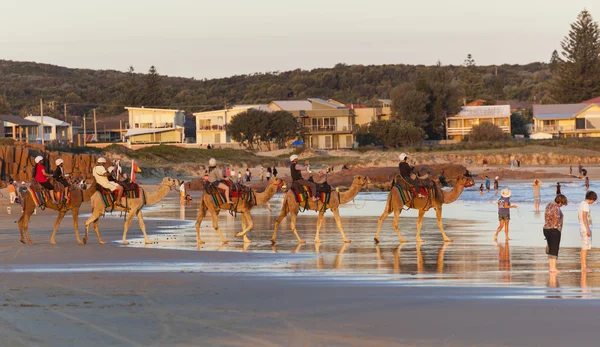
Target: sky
(221,38)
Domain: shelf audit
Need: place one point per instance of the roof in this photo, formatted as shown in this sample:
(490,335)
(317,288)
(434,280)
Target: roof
(562,111)
(484,111)
(294,105)
(142,131)
(479,102)
(152,109)
(595,100)
(260,107)
(17,120)
(48,121)
(386,101)
(326,103)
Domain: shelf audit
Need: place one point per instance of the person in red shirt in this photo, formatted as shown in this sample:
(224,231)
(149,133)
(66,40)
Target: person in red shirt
(41,176)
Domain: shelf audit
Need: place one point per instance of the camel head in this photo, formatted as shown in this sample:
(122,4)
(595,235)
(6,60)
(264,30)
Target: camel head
(465,181)
(362,181)
(277,181)
(171,183)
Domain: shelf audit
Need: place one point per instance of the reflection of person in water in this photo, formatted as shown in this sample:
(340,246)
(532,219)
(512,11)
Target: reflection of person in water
(504,259)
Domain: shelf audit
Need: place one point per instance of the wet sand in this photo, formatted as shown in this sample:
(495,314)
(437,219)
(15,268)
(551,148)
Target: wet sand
(472,291)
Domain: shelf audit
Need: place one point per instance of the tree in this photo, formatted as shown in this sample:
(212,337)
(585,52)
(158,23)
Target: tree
(554,61)
(153,94)
(487,132)
(283,126)
(247,127)
(518,125)
(131,93)
(5,107)
(391,133)
(470,80)
(577,75)
(409,104)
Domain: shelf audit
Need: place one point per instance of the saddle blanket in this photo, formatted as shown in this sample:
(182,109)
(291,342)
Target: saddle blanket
(41,195)
(108,197)
(305,193)
(239,191)
(409,194)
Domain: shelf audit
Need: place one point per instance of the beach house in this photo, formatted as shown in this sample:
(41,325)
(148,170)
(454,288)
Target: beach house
(459,126)
(567,120)
(155,125)
(54,129)
(211,126)
(19,129)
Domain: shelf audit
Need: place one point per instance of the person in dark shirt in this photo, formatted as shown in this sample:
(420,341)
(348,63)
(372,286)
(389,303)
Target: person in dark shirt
(406,171)
(296,173)
(59,175)
(558,188)
(274,171)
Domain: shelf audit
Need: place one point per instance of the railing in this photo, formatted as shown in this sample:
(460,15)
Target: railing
(211,128)
(329,129)
(554,129)
(467,130)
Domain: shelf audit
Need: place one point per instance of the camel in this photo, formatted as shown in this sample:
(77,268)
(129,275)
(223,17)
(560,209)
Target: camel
(78,197)
(394,204)
(291,206)
(134,206)
(207,204)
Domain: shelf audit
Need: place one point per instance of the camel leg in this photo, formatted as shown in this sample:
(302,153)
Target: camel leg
(75,214)
(246,215)
(319,223)
(97,231)
(143,227)
(201,214)
(94,217)
(215,223)
(293,226)
(419,225)
(24,226)
(126,227)
(336,215)
(395,225)
(386,212)
(282,215)
(438,215)
(61,215)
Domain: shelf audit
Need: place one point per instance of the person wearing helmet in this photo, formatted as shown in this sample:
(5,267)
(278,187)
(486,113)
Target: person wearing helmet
(406,171)
(296,172)
(101,176)
(59,175)
(41,176)
(215,177)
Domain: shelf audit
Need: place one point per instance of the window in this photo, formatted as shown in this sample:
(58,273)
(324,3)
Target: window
(454,124)
(502,122)
(580,123)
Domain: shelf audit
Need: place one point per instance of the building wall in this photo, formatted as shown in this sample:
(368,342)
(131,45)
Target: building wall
(333,141)
(365,115)
(167,136)
(152,118)
(215,118)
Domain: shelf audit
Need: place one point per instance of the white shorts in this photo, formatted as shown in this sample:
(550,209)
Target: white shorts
(112,186)
(586,241)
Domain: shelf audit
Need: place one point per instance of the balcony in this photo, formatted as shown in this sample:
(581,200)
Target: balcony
(467,130)
(554,129)
(212,128)
(328,129)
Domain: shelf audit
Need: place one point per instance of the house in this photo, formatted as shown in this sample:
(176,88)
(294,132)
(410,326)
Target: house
(19,129)
(154,125)
(365,115)
(327,124)
(54,129)
(567,120)
(460,125)
(211,126)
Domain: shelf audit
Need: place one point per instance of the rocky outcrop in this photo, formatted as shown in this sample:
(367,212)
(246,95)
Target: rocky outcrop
(17,162)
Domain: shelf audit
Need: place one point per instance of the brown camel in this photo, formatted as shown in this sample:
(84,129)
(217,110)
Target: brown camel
(78,197)
(208,204)
(134,205)
(395,204)
(291,206)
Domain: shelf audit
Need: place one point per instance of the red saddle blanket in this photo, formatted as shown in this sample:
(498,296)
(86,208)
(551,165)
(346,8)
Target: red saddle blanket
(131,191)
(303,193)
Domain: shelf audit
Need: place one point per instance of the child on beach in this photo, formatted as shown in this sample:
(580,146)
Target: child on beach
(536,195)
(504,207)
(585,227)
(487,183)
(481,189)
(496,186)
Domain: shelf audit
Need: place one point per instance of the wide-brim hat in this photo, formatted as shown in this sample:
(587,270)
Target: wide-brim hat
(505,193)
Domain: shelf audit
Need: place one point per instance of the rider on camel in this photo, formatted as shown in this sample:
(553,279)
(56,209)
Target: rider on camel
(60,176)
(41,176)
(101,176)
(406,171)
(296,172)
(215,176)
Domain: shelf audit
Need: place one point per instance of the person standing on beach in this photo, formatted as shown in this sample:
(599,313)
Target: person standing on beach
(587,183)
(518,161)
(580,169)
(269,172)
(504,213)
(487,183)
(496,185)
(571,170)
(274,171)
(12,191)
(558,189)
(553,223)
(262,173)
(481,189)
(512,161)
(585,227)
(537,200)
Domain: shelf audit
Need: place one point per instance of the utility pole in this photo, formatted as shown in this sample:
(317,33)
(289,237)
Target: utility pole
(42,118)
(65,111)
(95,131)
(121,130)
(84,131)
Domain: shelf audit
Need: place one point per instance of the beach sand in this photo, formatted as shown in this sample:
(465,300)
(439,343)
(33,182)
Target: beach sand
(468,292)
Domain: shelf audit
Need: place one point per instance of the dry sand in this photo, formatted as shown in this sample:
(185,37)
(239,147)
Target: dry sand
(470,292)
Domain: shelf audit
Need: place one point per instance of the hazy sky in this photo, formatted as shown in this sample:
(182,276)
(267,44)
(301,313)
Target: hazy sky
(218,38)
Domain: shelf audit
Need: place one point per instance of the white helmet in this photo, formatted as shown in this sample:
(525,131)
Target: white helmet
(38,159)
(403,156)
(111,168)
(293,157)
(212,162)
(101,160)
(59,161)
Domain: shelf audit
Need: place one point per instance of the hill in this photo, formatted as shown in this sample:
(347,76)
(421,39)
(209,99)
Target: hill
(23,83)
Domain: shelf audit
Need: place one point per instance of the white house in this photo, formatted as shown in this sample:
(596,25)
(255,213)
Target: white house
(211,126)
(155,125)
(54,129)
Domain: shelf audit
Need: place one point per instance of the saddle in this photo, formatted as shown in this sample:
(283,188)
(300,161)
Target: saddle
(304,193)
(236,190)
(42,195)
(408,192)
(131,190)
